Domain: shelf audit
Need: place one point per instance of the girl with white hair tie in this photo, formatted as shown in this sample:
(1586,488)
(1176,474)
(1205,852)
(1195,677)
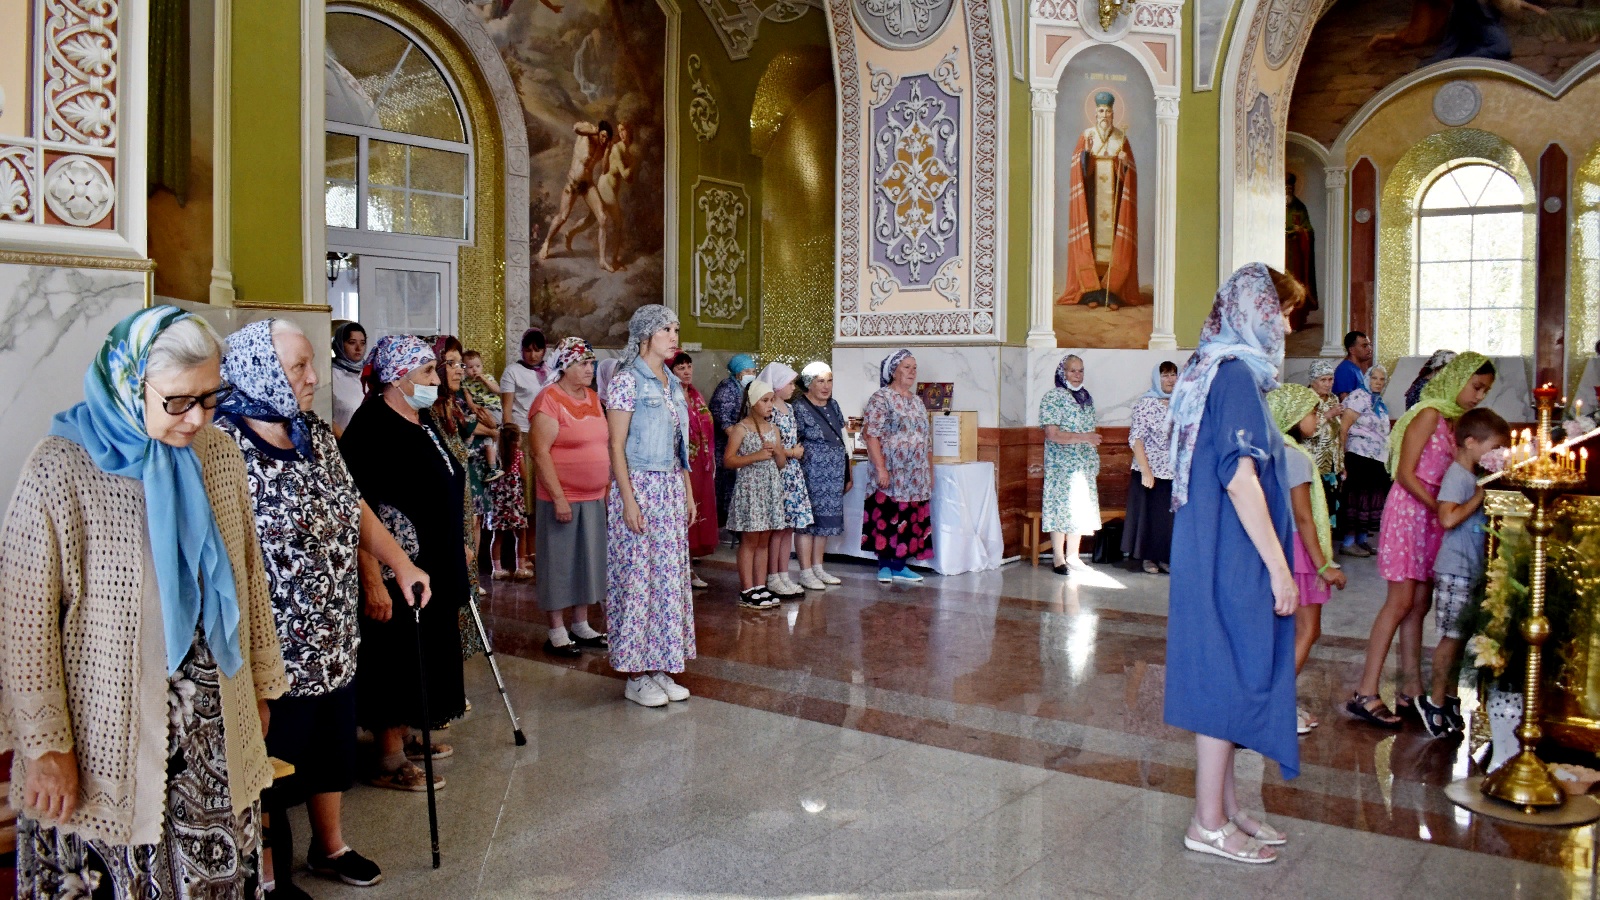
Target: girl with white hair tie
(649,605)
(796,501)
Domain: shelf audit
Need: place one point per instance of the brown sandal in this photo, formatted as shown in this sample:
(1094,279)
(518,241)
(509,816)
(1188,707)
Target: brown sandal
(1360,706)
(408,777)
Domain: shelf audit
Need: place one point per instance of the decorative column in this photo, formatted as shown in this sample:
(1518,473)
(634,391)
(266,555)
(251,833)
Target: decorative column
(222,291)
(1041,319)
(1550,269)
(1161,333)
(1336,297)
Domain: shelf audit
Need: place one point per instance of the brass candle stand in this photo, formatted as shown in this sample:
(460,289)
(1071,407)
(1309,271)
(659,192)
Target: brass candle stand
(1524,780)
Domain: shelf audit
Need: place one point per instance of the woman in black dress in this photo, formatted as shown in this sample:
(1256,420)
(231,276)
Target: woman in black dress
(406,472)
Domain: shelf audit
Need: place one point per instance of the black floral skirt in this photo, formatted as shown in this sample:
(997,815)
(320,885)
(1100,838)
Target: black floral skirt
(897,530)
(205,852)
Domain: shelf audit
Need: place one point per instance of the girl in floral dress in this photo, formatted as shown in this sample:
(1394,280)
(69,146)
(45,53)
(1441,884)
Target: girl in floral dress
(649,604)
(1421,449)
(758,459)
(796,498)
(897,523)
(1071,463)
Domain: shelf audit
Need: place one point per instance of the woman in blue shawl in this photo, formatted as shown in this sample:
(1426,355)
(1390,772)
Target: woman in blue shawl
(1230,623)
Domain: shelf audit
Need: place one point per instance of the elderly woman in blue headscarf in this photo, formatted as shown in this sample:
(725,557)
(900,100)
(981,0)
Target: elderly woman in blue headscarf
(897,521)
(137,648)
(725,414)
(311,522)
(1230,620)
(400,458)
(649,606)
(1148,534)
(1071,464)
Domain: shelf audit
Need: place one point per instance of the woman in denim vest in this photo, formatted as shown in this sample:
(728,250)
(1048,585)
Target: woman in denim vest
(649,606)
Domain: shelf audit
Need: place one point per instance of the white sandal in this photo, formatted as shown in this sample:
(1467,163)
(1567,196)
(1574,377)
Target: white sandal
(1266,834)
(1212,842)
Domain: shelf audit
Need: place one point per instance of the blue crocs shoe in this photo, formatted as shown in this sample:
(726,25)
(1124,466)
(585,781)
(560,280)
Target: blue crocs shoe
(905,574)
(885,576)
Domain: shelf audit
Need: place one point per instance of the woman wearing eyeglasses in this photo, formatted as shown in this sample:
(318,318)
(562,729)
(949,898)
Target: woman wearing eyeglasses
(405,471)
(134,678)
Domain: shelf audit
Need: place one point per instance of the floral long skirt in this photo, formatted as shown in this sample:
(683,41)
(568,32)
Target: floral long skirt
(205,853)
(649,605)
(897,530)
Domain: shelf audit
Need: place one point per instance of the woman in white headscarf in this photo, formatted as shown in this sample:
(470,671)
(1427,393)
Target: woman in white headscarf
(649,604)
(826,465)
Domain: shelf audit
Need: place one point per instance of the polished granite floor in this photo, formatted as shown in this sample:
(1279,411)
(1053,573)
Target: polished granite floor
(996,734)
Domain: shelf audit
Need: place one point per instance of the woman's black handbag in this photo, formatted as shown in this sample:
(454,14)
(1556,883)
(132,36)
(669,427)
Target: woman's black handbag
(1108,543)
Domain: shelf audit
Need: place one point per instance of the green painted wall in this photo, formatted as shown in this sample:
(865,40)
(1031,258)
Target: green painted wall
(727,156)
(1199,207)
(265,139)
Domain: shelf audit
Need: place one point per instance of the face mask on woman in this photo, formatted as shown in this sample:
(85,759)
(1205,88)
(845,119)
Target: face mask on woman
(422,396)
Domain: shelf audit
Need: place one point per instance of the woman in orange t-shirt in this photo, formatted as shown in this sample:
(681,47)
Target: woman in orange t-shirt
(572,466)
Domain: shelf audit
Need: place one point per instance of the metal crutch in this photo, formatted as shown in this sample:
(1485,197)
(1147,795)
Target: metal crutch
(488,651)
(427,731)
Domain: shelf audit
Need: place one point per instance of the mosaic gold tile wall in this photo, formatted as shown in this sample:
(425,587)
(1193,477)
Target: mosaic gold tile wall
(1583,282)
(797,232)
(480,269)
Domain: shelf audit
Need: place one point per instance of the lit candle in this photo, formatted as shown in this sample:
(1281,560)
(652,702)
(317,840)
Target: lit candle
(1583,461)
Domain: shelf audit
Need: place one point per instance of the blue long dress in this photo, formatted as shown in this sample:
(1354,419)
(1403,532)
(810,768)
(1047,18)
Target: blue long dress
(1230,659)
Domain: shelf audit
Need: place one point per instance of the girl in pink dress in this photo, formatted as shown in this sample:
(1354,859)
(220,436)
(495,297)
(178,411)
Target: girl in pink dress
(1421,448)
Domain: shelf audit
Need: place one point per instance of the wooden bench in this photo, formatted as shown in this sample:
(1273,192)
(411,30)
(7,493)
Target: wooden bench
(1034,543)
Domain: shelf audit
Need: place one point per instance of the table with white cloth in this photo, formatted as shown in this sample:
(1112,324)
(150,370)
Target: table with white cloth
(966,518)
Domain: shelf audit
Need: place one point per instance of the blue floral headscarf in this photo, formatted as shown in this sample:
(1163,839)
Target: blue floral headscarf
(193,572)
(260,388)
(1246,323)
(890,364)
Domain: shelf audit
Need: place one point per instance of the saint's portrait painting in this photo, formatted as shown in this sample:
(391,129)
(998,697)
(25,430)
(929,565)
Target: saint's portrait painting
(1103,254)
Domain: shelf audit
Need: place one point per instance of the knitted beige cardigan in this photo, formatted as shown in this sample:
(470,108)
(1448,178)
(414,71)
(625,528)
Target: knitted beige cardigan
(82,648)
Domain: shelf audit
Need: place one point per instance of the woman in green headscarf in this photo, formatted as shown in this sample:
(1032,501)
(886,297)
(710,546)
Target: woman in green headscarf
(1295,410)
(1421,448)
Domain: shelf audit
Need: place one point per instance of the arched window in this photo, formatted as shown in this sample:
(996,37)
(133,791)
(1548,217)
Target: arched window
(399,159)
(1473,284)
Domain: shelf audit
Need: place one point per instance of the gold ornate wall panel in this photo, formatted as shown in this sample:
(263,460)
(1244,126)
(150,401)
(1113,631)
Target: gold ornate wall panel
(481,266)
(797,232)
(791,76)
(1401,191)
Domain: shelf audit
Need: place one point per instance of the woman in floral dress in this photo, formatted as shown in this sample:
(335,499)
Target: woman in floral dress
(1148,535)
(826,465)
(702,465)
(1327,446)
(1071,464)
(897,523)
(462,423)
(796,499)
(649,604)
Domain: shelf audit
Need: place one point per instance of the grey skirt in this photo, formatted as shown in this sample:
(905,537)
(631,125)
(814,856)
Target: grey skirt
(571,555)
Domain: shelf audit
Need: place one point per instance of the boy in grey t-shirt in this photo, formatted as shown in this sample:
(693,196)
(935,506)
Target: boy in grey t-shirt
(1460,563)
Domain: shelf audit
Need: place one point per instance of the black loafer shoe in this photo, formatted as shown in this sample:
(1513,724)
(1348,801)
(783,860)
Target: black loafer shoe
(569,651)
(1059,570)
(598,642)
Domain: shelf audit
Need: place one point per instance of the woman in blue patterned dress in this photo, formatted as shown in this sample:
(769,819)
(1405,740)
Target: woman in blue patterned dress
(1071,463)
(649,605)
(796,499)
(826,466)
(897,522)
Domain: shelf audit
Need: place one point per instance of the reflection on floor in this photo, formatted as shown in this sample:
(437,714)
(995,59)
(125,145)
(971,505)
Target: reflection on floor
(995,734)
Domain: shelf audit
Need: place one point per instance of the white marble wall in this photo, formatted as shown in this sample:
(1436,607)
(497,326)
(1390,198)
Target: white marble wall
(975,372)
(1511,395)
(1116,378)
(52,323)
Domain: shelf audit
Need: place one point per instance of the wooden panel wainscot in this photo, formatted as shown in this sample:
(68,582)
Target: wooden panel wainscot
(1018,455)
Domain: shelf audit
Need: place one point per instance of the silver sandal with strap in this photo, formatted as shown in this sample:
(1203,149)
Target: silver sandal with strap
(1213,842)
(1264,833)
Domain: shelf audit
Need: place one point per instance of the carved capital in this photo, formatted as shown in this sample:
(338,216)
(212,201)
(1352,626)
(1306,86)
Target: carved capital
(1334,177)
(1166,106)
(1044,99)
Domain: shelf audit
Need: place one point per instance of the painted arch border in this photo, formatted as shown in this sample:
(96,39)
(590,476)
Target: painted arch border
(1047,69)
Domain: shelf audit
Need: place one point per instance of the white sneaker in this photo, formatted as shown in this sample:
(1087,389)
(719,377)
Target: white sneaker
(695,581)
(789,585)
(669,688)
(645,692)
(780,587)
(810,581)
(823,576)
